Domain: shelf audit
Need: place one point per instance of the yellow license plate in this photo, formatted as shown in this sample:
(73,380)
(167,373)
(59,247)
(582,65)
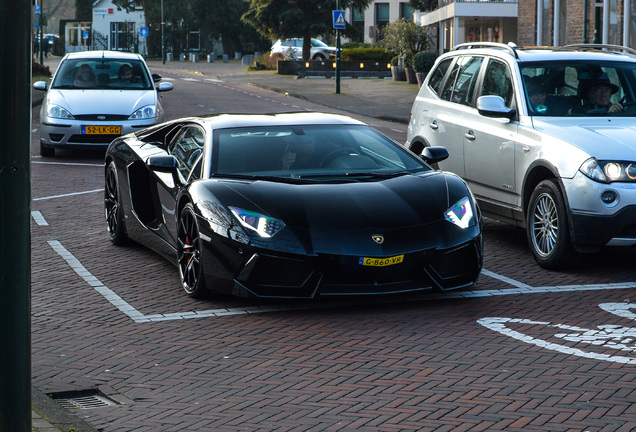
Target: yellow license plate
(381,262)
(101,130)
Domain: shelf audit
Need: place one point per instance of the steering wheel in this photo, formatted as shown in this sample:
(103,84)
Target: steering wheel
(334,154)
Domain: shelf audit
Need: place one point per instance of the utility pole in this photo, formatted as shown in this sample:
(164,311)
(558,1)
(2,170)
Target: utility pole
(16,51)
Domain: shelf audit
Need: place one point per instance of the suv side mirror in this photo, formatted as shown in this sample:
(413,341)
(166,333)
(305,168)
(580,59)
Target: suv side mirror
(494,106)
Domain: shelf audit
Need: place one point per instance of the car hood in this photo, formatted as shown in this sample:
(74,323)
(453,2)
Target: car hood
(334,218)
(602,137)
(95,101)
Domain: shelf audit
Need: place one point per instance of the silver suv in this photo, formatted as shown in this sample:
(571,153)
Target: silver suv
(545,138)
(293,49)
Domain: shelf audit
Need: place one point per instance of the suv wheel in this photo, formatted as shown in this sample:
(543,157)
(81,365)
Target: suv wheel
(548,228)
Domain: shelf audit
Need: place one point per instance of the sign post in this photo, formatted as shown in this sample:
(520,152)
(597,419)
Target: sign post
(339,23)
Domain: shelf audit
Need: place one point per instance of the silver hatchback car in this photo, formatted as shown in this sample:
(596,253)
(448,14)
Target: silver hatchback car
(96,96)
(543,137)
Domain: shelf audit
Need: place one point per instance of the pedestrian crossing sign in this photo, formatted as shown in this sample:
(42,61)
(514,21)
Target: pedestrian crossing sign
(339,22)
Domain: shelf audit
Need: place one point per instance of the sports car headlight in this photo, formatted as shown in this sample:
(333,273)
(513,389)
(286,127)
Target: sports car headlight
(461,213)
(56,111)
(264,226)
(609,171)
(147,112)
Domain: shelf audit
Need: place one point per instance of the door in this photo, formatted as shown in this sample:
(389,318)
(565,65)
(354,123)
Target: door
(489,143)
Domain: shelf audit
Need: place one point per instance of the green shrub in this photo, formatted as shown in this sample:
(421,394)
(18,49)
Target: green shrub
(366,54)
(266,62)
(423,61)
(356,45)
(395,61)
(408,60)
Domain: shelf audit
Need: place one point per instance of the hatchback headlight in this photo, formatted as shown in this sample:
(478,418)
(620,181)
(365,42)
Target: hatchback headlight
(147,112)
(609,171)
(460,213)
(57,112)
(264,226)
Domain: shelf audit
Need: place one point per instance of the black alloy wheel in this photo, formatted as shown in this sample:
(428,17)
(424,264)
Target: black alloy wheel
(189,253)
(113,208)
(548,227)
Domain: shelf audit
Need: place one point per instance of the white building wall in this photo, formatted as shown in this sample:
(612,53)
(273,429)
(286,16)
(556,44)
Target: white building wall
(105,12)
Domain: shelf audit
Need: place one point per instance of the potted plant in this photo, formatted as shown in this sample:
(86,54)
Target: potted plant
(423,61)
(411,78)
(397,70)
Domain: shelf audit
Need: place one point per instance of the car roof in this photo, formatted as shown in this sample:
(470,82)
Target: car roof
(224,121)
(117,55)
(591,52)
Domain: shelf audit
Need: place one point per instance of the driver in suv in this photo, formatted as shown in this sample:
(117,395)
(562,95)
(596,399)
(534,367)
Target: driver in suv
(543,137)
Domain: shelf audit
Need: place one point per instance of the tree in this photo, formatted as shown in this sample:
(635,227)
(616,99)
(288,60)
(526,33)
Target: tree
(282,19)
(404,38)
(424,5)
(216,20)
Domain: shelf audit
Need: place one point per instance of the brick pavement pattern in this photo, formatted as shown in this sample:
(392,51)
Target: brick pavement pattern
(412,365)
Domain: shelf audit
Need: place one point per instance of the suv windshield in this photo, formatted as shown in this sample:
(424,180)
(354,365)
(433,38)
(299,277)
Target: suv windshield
(102,73)
(580,88)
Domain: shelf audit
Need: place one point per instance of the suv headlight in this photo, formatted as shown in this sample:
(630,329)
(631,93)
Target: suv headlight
(609,171)
(56,111)
(264,226)
(460,213)
(147,112)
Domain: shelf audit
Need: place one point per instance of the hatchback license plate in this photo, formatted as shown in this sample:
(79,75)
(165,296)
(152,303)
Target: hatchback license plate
(101,130)
(381,262)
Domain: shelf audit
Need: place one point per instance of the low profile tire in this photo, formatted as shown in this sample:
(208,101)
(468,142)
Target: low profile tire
(189,254)
(113,209)
(46,151)
(548,227)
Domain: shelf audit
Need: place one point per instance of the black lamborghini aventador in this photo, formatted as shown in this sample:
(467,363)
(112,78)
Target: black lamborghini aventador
(292,205)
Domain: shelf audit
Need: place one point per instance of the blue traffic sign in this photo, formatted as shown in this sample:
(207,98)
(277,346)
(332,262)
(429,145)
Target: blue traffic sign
(143,31)
(339,22)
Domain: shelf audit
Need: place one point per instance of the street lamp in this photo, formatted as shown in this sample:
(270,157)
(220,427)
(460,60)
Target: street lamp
(163,44)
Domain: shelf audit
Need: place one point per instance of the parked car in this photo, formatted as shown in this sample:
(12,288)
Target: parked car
(293,206)
(293,49)
(544,138)
(88,104)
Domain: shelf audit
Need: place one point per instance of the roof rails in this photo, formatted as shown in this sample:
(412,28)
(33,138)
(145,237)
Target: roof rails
(607,47)
(510,47)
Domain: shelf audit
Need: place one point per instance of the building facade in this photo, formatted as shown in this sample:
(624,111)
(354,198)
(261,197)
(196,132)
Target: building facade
(455,22)
(564,22)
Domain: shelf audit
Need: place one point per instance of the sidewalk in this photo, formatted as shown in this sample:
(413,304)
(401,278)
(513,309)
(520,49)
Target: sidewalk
(376,98)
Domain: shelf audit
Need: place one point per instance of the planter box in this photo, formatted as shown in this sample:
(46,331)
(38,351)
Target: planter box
(306,68)
(398,73)
(411,78)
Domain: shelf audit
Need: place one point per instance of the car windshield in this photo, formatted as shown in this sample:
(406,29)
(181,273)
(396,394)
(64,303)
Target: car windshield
(580,88)
(312,152)
(102,73)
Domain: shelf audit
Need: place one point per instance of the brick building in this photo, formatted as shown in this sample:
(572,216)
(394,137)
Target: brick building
(563,22)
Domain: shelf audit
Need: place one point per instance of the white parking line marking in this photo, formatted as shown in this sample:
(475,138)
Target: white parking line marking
(39,219)
(68,195)
(191,79)
(138,317)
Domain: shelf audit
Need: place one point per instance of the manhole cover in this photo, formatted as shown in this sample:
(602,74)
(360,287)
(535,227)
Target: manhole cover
(82,399)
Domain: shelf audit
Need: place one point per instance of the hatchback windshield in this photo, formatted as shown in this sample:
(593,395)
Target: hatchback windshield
(580,88)
(102,73)
(311,152)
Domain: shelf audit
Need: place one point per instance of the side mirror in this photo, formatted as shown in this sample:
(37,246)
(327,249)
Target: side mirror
(433,155)
(164,87)
(494,106)
(40,85)
(165,164)
(156,77)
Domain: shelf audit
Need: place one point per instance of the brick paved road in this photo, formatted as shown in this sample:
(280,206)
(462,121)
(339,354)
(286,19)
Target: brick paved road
(518,353)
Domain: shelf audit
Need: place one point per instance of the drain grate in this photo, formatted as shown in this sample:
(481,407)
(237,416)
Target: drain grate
(83,399)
